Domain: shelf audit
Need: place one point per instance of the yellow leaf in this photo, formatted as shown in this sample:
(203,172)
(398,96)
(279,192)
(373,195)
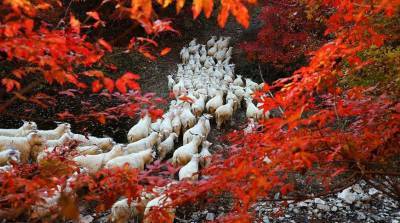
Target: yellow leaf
(179,5)
(208,7)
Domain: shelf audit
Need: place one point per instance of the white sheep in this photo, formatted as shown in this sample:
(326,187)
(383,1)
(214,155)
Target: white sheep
(9,154)
(144,144)
(134,160)
(251,110)
(171,82)
(57,132)
(215,102)
(251,84)
(155,126)
(179,88)
(24,130)
(121,211)
(161,202)
(232,96)
(224,113)
(198,129)
(188,120)
(94,163)
(167,146)
(176,123)
(25,145)
(104,144)
(140,130)
(224,43)
(185,55)
(65,138)
(199,105)
(211,42)
(238,81)
(184,154)
(166,124)
(205,155)
(212,51)
(88,150)
(191,170)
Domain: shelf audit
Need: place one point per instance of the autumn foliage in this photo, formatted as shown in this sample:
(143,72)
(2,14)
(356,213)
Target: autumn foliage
(330,127)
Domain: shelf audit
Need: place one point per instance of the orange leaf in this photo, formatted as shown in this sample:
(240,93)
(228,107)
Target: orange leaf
(179,5)
(102,119)
(186,99)
(156,113)
(94,15)
(75,24)
(10,84)
(196,8)
(109,84)
(165,51)
(96,86)
(106,45)
(129,75)
(223,16)
(120,84)
(94,73)
(208,7)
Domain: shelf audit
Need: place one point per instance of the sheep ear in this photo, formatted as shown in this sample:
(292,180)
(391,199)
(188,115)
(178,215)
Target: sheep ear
(24,121)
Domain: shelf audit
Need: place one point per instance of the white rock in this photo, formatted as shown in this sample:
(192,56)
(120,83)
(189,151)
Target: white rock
(361,216)
(265,219)
(210,216)
(323,207)
(347,196)
(372,191)
(357,188)
(319,201)
(334,208)
(302,204)
(85,219)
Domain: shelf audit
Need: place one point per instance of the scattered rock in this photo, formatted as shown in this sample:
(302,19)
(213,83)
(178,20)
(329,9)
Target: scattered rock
(265,219)
(361,216)
(347,196)
(210,216)
(372,191)
(323,207)
(319,201)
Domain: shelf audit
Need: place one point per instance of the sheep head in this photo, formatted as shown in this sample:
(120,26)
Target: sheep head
(206,144)
(34,138)
(29,125)
(118,150)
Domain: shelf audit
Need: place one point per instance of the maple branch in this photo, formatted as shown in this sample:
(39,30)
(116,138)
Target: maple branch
(269,92)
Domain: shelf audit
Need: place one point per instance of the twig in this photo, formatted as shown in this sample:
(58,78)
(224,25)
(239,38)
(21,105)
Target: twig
(269,92)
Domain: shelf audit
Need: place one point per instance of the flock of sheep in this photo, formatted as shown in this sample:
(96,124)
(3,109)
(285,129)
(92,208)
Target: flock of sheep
(205,88)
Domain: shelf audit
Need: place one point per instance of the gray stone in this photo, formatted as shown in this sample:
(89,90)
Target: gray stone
(373,191)
(319,201)
(295,210)
(323,207)
(361,216)
(334,208)
(357,188)
(210,216)
(376,217)
(302,204)
(265,219)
